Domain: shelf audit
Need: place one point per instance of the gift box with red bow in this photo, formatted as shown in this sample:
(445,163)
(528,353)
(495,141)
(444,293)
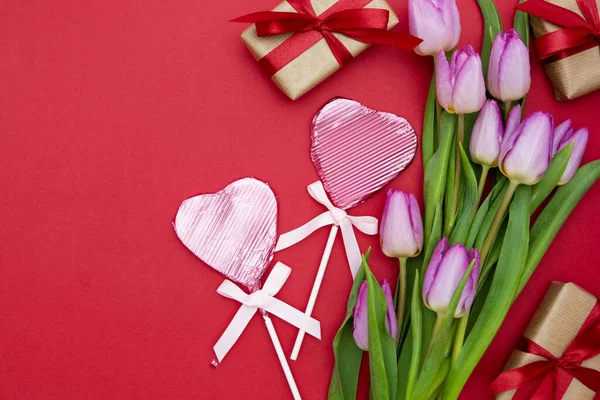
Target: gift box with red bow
(302,42)
(568,40)
(558,356)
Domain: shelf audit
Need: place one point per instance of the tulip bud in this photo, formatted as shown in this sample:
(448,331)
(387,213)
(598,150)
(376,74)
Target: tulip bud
(460,85)
(487,135)
(401,229)
(526,148)
(563,135)
(446,269)
(509,74)
(361,318)
(437,22)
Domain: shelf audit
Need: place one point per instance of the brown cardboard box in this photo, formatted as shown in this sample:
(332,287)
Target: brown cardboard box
(315,64)
(555,324)
(575,75)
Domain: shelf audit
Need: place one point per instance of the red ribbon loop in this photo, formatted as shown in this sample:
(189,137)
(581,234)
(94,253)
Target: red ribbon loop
(578,34)
(550,378)
(347,17)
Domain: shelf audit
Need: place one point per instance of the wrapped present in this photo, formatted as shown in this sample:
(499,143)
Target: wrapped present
(568,40)
(558,356)
(302,42)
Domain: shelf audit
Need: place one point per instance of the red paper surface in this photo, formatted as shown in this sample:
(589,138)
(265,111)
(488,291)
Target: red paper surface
(111,114)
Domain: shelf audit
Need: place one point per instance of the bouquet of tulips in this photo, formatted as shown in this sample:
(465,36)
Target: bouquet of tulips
(462,265)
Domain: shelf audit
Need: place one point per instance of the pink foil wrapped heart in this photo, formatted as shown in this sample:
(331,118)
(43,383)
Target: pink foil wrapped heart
(357,151)
(233,231)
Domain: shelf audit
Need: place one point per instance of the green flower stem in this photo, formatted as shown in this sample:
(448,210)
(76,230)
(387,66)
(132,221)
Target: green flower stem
(491,236)
(436,330)
(416,327)
(401,290)
(438,118)
(459,339)
(507,108)
(484,173)
(438,106)
(457,170)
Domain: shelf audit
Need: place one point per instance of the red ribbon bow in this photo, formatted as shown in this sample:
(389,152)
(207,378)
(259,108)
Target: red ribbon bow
(550,378)
(348,17)
(578,34)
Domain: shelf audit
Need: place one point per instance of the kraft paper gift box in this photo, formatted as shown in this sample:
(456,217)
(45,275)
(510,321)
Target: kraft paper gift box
(571,75)
(557,322)
(315,64)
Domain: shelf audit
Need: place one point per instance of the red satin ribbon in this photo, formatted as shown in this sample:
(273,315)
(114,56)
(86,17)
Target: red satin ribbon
(348,17)
(578,34)
(550,378)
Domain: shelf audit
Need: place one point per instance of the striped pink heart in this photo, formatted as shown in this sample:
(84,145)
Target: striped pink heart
(233,230)
(357,151)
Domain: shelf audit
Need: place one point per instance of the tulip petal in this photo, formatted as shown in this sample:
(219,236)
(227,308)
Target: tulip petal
(469,90)
(561,132)
(579,139)
(443,82)
(416,222)
(468,294)
(433,267)
(531,152)
(396,234)
(449,273)
(514,71)
(391,321)
(493,76)
(512,125)
(425,21)
(451,19)
(487,135)
(360,330)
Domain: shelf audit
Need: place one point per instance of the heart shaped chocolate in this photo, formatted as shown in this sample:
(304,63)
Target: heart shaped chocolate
(357,151)
(233,231)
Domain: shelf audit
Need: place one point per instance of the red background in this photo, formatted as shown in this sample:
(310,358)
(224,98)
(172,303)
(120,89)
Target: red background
(111,114)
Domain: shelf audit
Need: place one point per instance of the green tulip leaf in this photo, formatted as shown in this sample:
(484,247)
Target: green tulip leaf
(555,171)
(416,329)
(428,137)
(489,218)
(522,25)
(382,346)
(449,219)
(554,215)
(436,171)
(348,355)
(505,283)
(469,200)
(484,210)
(492,26)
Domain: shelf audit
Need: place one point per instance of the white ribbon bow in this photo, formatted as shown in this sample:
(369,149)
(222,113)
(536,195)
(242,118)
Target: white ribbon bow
(334,216)
(262,299)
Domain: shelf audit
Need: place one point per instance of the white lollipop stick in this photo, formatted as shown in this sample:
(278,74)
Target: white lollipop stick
(340,220)
(264,300)
(316,287)
(281,356)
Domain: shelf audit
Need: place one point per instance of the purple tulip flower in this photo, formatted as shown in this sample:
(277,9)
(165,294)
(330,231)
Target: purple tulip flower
(509,72)
(526,149)
(446,269)
(563,135)
(437,22)
(460,85)
(401,229)
(487,135)
(361,317)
